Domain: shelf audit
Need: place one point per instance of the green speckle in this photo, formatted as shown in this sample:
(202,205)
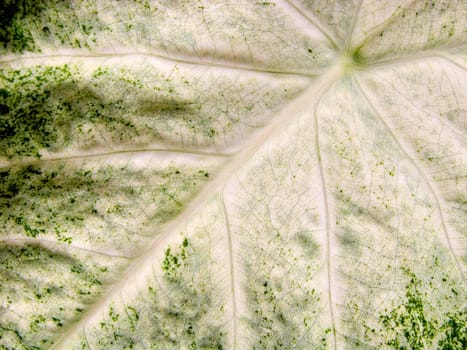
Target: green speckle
(174,260)
(36,323)
(266,3)
(57,321)
(113,315)
(203,173)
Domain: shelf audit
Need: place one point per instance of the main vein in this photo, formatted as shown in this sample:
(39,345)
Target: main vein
(327,223)
(353,25)
(76,53)
(232,273)
(182,151)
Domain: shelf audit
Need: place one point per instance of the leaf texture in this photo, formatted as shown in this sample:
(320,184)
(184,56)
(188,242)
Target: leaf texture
(233,175)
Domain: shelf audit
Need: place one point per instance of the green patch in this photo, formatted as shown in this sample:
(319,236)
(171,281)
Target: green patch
(25,192)
(36,323)
(173,260)
(409,325)
(34,116)
(454,331)
(26,23)
(15,35)
(46,108)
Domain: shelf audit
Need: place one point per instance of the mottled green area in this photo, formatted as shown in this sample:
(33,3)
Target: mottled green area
(181,309)
(104,207)
(27,25)
(154,105)
(45,107)
(43,291)
(408,322)
(417,323)
(68,23)
(33,115)
(50,108)
(14,32)
(99,205)
(454,330)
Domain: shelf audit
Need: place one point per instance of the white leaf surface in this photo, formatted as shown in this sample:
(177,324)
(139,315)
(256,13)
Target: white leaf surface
(233,175)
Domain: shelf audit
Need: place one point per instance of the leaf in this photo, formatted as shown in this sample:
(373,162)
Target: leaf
(233,175)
